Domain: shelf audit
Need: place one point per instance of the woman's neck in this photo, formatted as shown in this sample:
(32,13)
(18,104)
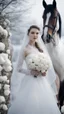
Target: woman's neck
(31,43)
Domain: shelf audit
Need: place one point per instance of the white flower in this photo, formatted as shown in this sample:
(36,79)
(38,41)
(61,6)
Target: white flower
(8,51)
(0,86)
(5,56)
(1,68)
(2,61)
(7,63)
(7,81)
(5,33)
(2,46)
(3,78)
(7,68)
(6,92)
(2,99)
(6,87)
(62,109)
(4,106)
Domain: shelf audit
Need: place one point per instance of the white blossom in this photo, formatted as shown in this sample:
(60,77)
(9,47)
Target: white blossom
(1,68)
(0,86)
(62,109)
(7,63)
(7,68)
(8,51)
(6,87)
(2,61)
(4,106)
(3,78)
(5,33)
(5,56)
(7,81)
(2,99)
(6,92)
(2,46)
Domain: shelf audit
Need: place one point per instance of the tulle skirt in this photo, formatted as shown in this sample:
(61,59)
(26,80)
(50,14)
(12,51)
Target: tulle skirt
(17,79)
(35,96)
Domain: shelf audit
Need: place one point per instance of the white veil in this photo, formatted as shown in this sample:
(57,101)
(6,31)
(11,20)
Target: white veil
(17,76)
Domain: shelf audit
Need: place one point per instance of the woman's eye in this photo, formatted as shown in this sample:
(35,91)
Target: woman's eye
(37,33)
(32,32)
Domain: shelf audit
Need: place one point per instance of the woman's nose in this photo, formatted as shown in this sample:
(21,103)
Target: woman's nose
(35,35)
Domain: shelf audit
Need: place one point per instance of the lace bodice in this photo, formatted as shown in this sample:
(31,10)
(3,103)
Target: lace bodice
(32,53)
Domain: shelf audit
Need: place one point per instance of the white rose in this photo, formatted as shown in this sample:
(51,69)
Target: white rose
(3,78)
(8,51)
(2,61)
(2,99)
(5,56)
(0,86)
(6,92)
(5,33)
(4,106)
(6,87)
(7,69)
(1,68)
(8,81)
(7,63)
(2,46)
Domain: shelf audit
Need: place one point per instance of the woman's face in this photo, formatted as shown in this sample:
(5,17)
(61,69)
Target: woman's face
(33,34)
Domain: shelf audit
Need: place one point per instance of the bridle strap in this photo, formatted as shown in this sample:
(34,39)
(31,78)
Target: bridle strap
(51,27)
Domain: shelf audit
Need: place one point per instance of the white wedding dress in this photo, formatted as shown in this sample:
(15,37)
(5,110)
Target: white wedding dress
(34,95)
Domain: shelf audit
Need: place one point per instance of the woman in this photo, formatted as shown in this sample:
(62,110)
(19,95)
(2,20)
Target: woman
(35,95)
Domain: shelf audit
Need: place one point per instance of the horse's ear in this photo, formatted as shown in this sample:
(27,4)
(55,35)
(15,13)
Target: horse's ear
(54,3)
(44,3)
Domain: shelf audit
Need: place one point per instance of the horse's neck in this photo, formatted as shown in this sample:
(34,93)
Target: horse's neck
(56,38)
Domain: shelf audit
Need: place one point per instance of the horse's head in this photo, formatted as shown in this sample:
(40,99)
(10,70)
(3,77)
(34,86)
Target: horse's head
(51,22)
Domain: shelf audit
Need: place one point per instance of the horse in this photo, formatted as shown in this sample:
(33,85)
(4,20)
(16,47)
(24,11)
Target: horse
(51,36)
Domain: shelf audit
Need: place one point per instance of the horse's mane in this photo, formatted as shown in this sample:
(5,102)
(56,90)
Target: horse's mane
(50,8)
(60,24)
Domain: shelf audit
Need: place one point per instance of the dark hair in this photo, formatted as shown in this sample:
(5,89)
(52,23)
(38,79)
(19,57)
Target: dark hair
(33,26)
(36,44)
(38,47)
(61,94)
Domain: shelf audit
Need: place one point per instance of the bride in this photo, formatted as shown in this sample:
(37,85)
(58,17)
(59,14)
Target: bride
(31,90)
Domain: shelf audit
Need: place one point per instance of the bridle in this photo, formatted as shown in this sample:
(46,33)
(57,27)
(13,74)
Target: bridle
(53,30)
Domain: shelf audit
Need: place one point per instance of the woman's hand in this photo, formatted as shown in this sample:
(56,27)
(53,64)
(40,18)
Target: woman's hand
(35,72)
(44,74)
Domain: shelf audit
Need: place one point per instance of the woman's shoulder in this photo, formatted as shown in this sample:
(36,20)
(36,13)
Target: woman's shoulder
(26,50)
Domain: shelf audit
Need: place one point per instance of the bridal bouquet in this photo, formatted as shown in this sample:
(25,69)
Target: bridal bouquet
(40,62)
